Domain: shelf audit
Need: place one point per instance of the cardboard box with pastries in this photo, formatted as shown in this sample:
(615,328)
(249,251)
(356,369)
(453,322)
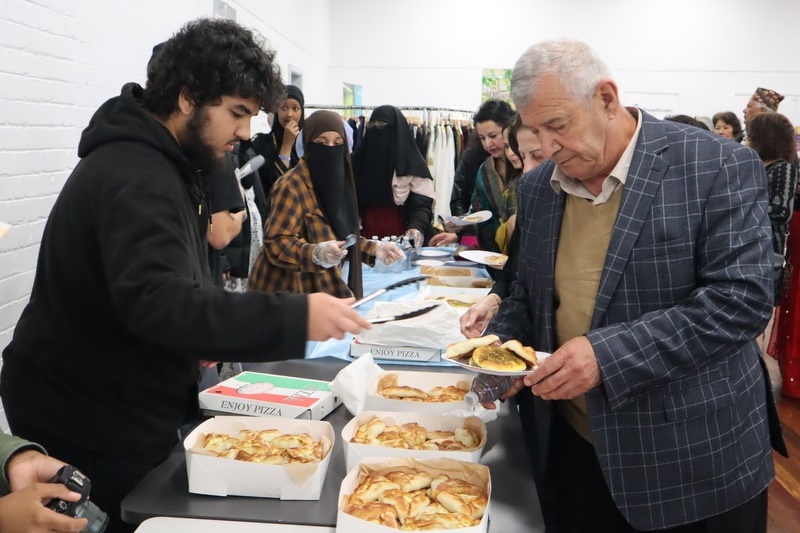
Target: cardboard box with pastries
(355,452)
(219,476)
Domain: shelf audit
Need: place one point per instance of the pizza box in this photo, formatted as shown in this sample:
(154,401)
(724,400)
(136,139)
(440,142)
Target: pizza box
(354,452)
(257,394)
(218,476)
(396,353)
(471,472)
(421,380)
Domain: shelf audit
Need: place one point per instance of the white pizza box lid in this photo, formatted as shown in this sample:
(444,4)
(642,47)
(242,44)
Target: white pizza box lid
(354,452)
(219,476)
(471,472)
(424,381)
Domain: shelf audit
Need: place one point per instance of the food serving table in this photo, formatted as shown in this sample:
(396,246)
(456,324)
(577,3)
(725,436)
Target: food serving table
(165,492)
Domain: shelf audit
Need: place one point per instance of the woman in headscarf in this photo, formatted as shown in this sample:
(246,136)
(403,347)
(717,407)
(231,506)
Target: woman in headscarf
(304,240)
(393,184)
(277,146)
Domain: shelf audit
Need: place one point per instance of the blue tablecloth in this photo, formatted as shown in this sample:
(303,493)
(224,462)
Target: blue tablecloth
(373,281)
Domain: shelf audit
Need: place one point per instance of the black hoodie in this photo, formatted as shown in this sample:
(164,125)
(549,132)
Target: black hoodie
(105,355)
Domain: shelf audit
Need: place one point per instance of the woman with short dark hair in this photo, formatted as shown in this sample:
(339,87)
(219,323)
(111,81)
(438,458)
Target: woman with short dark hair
(727,124)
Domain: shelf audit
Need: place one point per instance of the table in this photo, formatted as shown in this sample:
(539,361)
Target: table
(193,525)
(165,492)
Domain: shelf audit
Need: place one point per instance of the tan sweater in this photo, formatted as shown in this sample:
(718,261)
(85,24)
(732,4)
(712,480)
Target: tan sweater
(585,234)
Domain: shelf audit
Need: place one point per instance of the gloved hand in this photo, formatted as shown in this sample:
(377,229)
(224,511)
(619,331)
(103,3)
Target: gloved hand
(415,236)
(329,253)
(388,252)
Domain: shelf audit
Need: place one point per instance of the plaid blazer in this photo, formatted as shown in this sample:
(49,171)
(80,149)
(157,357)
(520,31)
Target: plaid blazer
(680,419)
(295,224)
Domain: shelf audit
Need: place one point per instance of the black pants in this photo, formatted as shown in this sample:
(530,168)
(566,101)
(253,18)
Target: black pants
(112,477)
(578,496)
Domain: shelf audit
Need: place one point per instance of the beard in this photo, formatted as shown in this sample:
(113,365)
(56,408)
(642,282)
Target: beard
(200,154)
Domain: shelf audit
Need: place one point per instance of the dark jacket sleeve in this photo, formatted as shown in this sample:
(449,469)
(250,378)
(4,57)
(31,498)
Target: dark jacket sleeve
(464,180)
(419,212)
(156,291)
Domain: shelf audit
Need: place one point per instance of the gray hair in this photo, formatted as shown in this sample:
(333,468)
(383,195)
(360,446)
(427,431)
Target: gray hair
(577,66)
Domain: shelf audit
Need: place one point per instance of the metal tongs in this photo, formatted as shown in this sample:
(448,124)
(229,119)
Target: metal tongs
(379,292)
(404,316)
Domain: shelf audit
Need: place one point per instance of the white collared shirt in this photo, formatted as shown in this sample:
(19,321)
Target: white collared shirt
(615,179)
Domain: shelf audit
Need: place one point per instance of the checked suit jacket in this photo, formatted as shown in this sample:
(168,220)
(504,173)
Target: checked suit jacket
(680,420)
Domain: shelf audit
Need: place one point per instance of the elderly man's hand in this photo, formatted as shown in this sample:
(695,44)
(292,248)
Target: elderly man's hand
(570,371)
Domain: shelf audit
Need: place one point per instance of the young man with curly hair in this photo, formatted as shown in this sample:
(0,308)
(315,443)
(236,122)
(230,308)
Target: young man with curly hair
(103,365)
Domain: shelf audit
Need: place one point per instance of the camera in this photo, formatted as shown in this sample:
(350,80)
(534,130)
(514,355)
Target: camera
(75,481)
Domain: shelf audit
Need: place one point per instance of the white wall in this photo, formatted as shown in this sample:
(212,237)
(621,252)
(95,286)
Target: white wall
(59,59)
(699,56)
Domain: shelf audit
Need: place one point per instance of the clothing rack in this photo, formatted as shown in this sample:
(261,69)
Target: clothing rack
(429,113)
(401,108)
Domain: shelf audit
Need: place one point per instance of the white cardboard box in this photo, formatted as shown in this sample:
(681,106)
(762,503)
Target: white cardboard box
(424,381)
(395,353)
(471,472)
(219,476)
(258,394)
(354,452)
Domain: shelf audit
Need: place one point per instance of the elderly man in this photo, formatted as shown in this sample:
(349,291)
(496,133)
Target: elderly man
(645,269)
(762,101)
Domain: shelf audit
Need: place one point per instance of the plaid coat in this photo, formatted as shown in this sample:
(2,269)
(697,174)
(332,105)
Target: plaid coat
(295,224)
(680,420)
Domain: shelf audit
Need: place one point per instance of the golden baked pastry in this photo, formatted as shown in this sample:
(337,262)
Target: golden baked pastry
(402,392)
(268,446)
(375,512)
(388,388)
(412,436)
(399,500)
(495,259)
(464,349)
(498,358)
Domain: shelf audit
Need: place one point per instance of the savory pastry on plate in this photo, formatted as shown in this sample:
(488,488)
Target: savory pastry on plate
(482,352)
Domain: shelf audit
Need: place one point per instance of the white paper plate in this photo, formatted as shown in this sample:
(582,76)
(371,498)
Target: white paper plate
(433,251)
(541,356)
(484,258)
(429,262)
(471,218)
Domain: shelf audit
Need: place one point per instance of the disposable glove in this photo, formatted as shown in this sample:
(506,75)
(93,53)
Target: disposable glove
(389,252)
(415,236)
(328,254)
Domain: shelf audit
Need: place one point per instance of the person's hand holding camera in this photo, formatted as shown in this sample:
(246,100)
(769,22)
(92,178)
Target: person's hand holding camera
(329,253)
(24,510)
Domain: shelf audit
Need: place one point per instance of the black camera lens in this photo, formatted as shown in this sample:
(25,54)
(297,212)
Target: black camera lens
(98,520)
(75,481)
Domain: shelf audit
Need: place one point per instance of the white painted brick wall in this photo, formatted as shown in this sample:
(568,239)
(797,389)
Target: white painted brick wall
(59,60)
